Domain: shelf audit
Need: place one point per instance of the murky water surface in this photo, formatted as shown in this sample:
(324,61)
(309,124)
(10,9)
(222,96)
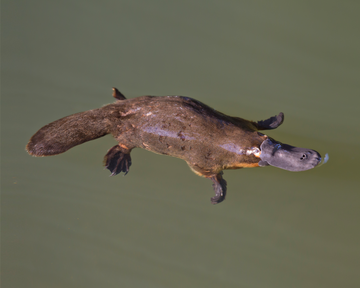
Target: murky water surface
(65,223)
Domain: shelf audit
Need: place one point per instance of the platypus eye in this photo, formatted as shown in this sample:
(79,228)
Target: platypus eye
(304,156)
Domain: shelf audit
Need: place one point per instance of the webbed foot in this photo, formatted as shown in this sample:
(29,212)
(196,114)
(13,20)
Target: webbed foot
(117,160)
(117,94)
(219,185)
(271,123)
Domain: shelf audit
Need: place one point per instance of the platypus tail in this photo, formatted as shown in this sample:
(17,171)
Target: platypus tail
(65,133)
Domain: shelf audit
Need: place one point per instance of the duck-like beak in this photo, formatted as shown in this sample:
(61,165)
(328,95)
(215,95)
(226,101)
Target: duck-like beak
(287,157)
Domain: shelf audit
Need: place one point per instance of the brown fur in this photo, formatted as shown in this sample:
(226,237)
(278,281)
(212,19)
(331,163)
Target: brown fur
(209,141)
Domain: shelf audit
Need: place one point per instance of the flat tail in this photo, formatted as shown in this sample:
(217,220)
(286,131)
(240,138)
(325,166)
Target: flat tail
(65,133)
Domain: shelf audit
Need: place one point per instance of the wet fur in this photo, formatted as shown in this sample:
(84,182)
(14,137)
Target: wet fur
(208,140)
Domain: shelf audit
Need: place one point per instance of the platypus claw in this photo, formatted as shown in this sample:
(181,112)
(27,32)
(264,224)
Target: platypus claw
(117,161)
(219,185)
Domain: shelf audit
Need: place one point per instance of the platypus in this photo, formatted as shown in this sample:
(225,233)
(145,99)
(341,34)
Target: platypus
(208,140)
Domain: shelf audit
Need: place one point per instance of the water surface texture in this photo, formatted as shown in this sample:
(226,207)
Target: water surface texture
(65,223)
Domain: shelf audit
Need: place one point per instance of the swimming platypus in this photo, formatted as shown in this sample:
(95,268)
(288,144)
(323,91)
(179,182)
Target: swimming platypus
(209,141)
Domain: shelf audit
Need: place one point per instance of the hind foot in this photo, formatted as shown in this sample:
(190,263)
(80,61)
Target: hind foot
(117,160)
(219,185)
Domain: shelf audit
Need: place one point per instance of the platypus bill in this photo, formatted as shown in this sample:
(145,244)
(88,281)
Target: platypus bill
(209,141)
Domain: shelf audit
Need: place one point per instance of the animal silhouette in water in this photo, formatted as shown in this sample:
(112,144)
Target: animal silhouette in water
(209,141)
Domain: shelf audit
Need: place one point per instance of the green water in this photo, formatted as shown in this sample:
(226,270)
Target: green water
(65,223)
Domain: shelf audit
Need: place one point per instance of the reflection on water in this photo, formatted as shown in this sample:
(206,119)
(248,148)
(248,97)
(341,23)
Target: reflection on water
(324,160)
(66,224)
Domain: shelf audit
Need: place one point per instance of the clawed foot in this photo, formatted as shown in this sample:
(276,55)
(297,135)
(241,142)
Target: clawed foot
(117,161)
(271,123)
(219,185)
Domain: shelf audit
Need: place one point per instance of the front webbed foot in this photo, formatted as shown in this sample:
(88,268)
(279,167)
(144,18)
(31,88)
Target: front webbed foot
(117,160)
(271,123)
(219,185)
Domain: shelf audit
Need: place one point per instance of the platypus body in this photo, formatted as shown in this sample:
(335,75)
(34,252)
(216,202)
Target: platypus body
(208,140)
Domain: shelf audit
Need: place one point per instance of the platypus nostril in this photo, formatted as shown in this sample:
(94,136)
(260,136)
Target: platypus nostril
(304,156)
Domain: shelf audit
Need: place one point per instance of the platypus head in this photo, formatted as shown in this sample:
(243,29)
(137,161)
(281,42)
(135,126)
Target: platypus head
(287,157)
